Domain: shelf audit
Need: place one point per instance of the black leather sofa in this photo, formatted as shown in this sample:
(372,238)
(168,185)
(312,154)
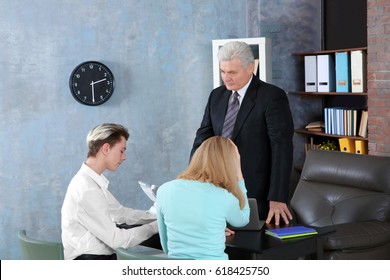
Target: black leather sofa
(350,193)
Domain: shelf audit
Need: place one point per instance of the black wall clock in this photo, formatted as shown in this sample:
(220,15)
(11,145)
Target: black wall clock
(91,83)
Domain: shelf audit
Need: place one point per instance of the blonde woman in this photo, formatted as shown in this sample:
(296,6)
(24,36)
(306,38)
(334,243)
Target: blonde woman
(192,210)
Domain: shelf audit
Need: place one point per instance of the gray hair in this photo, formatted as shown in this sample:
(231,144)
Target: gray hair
(110,133)
(236,49)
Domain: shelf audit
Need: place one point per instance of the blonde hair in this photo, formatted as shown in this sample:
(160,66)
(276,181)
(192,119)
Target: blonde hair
(215,162)
(110,133)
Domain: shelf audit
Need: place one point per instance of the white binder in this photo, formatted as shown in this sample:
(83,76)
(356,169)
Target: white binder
(326,73)
(358,71)
(310,73)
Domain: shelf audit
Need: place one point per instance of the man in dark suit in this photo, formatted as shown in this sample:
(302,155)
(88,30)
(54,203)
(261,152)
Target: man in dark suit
(263,130)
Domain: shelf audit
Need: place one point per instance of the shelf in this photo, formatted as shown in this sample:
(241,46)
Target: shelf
(353,101)
(317,133)
(330,51)
(328,93)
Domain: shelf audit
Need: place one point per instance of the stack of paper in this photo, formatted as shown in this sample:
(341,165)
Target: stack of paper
(150,191)
(291,232)
(315,126)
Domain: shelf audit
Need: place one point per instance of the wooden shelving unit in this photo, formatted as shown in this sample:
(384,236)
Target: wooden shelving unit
(332,99)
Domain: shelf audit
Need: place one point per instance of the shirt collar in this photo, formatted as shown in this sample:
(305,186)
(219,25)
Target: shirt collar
(243,90)
(101,180)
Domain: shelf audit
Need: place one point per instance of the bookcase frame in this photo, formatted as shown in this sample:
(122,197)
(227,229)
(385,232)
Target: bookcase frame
(353,97)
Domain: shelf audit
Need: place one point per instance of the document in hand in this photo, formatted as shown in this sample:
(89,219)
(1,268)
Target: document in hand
(291,232)
(150,191)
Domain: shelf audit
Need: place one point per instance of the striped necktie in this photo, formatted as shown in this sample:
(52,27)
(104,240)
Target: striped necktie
(231,114)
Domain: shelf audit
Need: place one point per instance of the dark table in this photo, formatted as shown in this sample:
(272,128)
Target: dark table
(245,244)
(258,245)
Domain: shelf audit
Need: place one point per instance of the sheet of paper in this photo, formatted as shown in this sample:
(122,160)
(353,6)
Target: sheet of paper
(148,190)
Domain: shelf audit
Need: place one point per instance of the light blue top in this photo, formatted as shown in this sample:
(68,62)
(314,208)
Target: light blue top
(192,218)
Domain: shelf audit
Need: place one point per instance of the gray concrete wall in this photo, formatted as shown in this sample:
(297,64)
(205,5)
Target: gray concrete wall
(160,55)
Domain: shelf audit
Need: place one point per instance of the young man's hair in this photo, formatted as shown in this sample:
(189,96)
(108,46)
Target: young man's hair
(110,133)
(215,162)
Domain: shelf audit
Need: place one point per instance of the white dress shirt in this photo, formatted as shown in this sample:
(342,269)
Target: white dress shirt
(241,92)
(89,216)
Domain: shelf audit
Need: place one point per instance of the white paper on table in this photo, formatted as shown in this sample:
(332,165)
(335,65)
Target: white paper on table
(150,191)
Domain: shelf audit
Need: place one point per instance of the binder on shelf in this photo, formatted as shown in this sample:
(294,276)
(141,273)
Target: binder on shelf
(361,147)
(325,73)
(343,72)
(358,71)
(347,122)
(329,121)
(326,120)
(347,145)
(353,123)
(341,120)
(310,73)
(363,124)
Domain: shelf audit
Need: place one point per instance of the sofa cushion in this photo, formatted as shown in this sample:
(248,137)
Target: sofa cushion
(374,253)
(322,204)
(361,235)
(346,169)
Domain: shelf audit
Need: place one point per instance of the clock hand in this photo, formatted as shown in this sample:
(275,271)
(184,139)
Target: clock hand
(93,93)
(98,81)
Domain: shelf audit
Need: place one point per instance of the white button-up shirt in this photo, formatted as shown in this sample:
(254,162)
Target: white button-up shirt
(90,214)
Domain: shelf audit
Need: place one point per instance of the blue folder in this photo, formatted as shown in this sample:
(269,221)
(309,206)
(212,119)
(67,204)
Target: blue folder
(343,72)
(291,232)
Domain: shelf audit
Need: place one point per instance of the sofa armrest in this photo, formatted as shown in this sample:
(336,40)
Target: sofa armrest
(358,235)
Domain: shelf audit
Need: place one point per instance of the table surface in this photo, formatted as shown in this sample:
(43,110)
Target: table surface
(253,242)
(145,250)
(260,243)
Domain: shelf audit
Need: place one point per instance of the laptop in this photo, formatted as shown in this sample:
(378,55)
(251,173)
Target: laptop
(254,222)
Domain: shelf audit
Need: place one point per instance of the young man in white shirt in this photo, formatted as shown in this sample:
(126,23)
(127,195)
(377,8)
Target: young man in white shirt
(90,213)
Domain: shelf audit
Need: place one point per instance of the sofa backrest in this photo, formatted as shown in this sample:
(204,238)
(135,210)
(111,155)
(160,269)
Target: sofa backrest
(337,187)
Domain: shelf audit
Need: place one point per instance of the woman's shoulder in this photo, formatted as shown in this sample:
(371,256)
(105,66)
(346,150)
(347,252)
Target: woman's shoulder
(172,184)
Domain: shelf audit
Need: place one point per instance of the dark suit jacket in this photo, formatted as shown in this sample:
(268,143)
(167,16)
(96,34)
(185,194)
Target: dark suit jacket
(263,133)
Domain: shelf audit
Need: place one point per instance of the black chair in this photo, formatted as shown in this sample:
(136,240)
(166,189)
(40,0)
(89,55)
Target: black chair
(351,194)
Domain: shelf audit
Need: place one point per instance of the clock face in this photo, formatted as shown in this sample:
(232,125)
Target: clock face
(91,83)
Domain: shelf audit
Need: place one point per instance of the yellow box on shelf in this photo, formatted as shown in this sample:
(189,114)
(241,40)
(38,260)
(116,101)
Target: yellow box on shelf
(361,147)
(347,145)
